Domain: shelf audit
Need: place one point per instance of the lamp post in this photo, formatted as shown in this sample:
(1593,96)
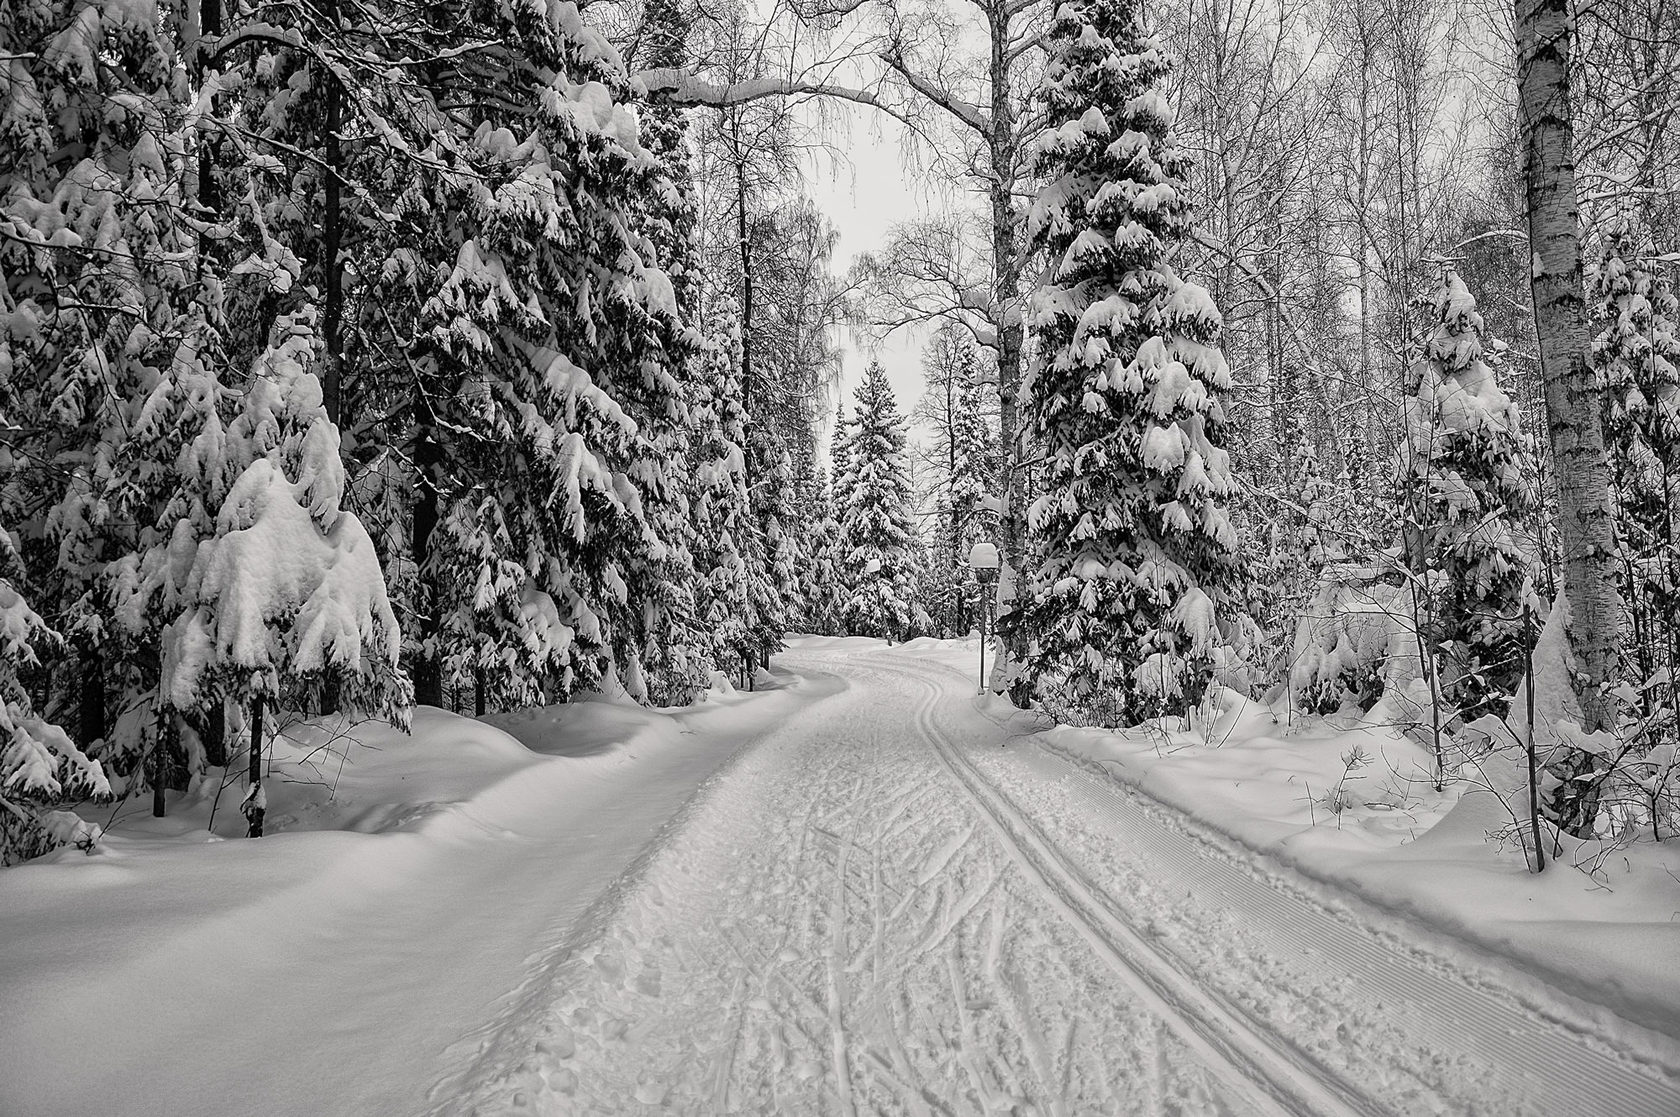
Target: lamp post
(983,560)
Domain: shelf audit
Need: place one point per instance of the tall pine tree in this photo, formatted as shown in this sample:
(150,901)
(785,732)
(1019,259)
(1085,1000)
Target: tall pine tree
(878,537)
(544,396)
(1134,554)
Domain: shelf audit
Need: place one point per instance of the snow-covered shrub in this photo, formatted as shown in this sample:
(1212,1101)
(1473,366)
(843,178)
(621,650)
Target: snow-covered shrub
(1657,775)
(1635,772)
(1353,640)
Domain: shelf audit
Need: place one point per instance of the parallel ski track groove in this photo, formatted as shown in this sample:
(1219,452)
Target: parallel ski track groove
(1480,1019)
(1245,1056)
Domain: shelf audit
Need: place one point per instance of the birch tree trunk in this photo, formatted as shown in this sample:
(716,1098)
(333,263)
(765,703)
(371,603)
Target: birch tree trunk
(1003,149)
(1573,409)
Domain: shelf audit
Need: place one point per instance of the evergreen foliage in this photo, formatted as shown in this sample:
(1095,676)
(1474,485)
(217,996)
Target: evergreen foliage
(881,565)
(1467,468)
(1133,565)
(39,764)
(777,524)
(726,543)
(823,586)
(962,457)
(972,480)
(447,345)
(1636,354)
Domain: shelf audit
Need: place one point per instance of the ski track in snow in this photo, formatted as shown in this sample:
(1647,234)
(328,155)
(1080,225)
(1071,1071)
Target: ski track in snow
(876,910)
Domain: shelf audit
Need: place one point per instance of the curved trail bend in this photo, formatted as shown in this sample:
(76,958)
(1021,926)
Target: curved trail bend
(878,910)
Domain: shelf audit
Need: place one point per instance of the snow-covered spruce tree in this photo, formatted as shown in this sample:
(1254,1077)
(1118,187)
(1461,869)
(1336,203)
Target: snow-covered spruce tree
(878,537)
(111,267)
(826,586)
(1636,353)
(671,212)
(40,767)
(1465,470)
(676,649)
(179,436)
(973,476)
(722,510)
(776,587)
(823,585)
(809,505)
(285,596)
(1134,556)
(538,365)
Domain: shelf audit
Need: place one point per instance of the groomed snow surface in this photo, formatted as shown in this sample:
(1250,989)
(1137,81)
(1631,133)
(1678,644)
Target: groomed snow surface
(836,895)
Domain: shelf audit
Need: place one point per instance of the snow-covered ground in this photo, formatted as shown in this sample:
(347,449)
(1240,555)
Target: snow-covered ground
(340,965)
(1350,801)
(840,896)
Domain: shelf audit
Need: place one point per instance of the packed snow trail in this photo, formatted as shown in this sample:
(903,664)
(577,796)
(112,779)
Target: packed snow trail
(877,910)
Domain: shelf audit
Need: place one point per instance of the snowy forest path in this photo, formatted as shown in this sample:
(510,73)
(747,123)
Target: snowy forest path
(877,910)
(333,972)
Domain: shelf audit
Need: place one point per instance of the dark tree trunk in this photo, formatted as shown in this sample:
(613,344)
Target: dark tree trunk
(428,675)
(333,313)
(214,735)
(161,747)
(90,706)
(330,694)
(478,693)
(254,807)
(333,236)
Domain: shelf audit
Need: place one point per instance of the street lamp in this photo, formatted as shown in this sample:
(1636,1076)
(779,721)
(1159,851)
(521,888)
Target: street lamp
(983,560)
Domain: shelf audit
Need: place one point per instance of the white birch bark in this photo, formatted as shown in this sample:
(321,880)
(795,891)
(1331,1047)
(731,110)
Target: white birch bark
(1573,408)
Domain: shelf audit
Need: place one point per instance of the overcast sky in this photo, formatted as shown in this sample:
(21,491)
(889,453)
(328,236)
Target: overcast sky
(863,200)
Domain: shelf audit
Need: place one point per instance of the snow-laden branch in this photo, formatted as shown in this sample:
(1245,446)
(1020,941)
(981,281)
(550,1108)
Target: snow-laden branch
(270,33)
(684,88)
